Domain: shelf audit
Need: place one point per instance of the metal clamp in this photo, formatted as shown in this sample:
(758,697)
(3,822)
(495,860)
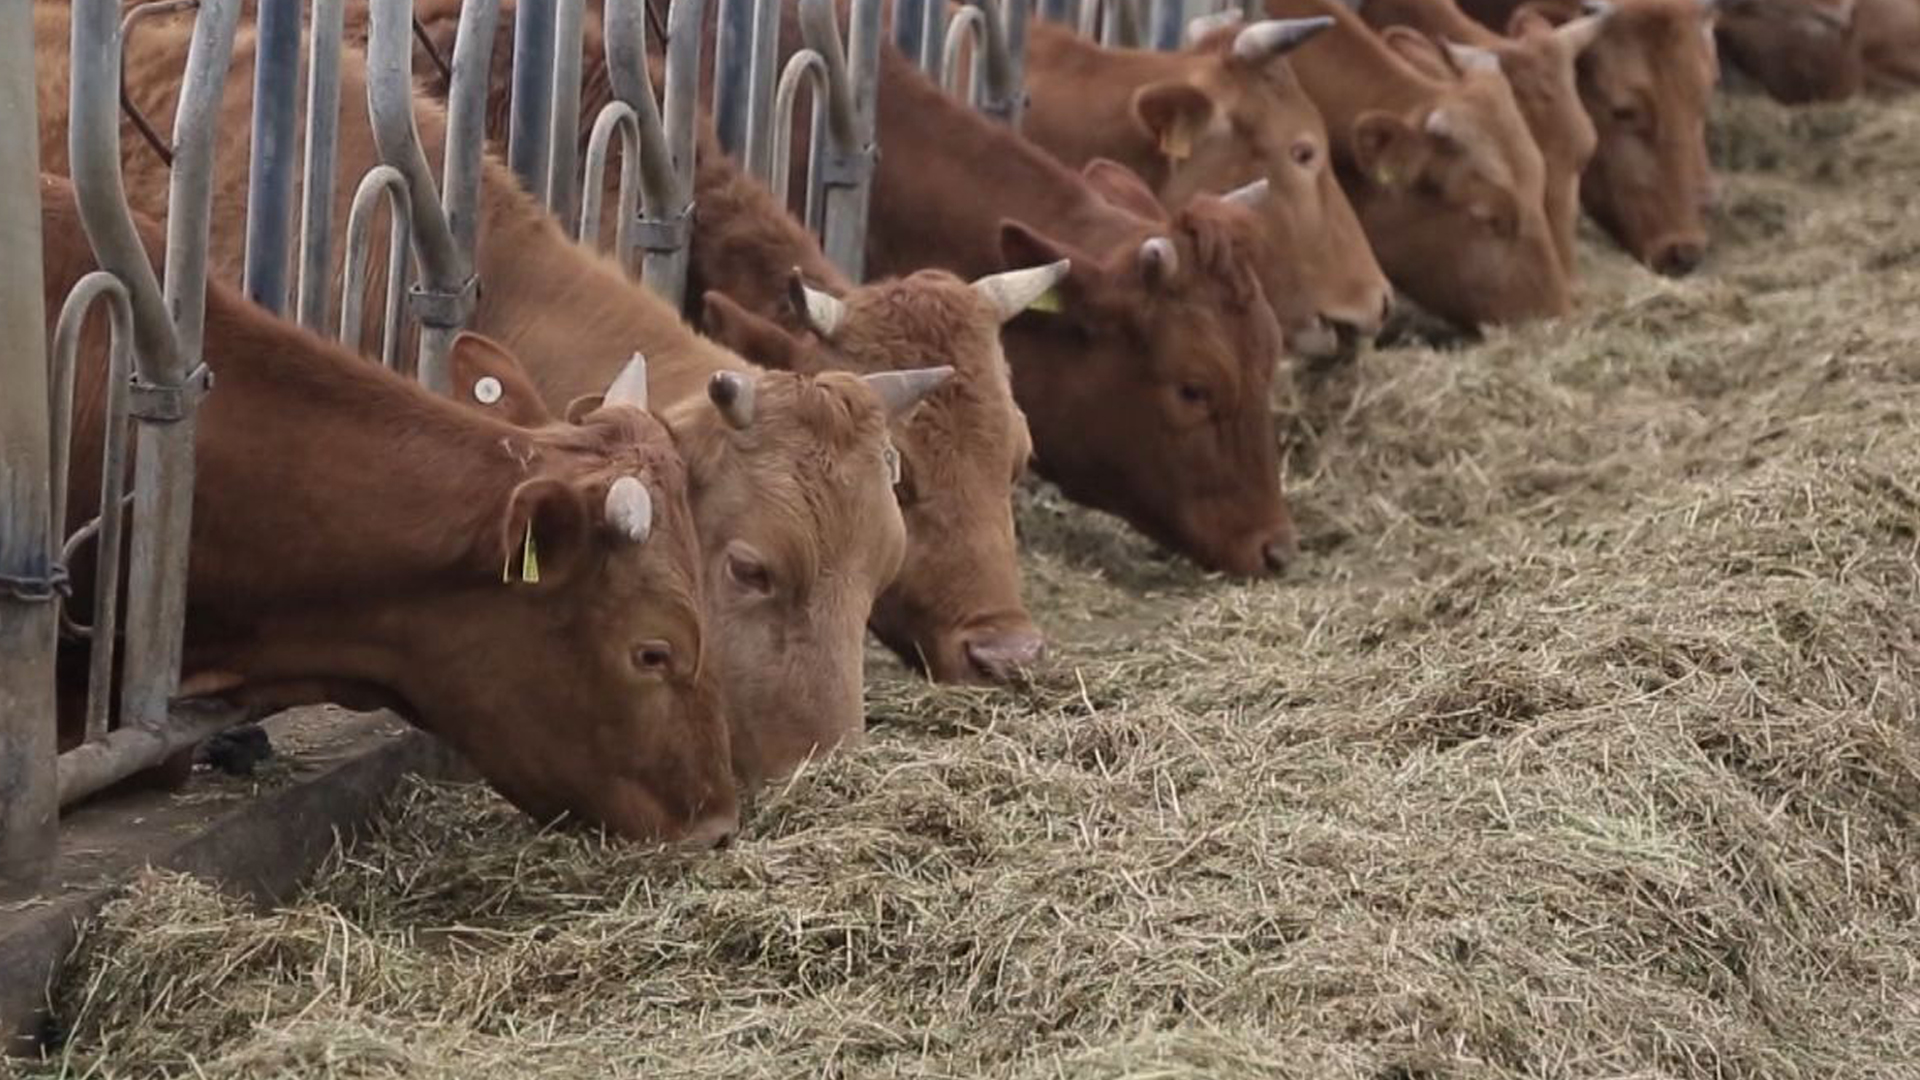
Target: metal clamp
(444,310)
(1006,108)
(152,404)
(664,234)
(44,589)
(845,170)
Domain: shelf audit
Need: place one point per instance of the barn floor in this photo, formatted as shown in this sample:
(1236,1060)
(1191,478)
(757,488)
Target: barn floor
(1585,744)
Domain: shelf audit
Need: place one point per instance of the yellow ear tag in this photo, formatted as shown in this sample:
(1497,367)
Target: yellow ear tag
(1177,142)
(1048,301)
(529,559)
(1386,178)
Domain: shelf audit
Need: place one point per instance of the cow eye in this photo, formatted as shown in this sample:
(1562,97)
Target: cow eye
(1194,394)
(748,572)
(653,657)
(1305,154)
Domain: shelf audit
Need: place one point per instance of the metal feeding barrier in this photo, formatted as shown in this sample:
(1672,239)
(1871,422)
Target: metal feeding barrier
(133,719)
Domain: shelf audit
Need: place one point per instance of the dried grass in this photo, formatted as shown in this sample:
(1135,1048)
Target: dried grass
(1585,745)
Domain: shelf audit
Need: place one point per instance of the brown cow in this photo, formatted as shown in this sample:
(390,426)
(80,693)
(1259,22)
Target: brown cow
(1646,81)
(1889,36)
(789,473)
(1146,378)
(1215,116)
(1798,50)
(1538,60)
(955,609)
(349,534)
(1449,183)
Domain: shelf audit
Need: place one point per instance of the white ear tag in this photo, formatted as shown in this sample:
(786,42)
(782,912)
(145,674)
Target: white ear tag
(487,390)
(892,458)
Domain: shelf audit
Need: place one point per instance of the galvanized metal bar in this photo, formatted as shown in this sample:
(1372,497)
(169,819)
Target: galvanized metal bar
(804,67)
(760,95)
(1011,103)
(87,769)
(667,236)
(530,118)
(910,27)
(196,133)
(1167,23)
(109,527)
(1092,19)
(1060,11)
(616,118)
(381,180)
(841,177)
(968,26)
(444,296)
(316,187)
(563,157)
(997,91)
(28,801)
(732,73)
(467,121)
(272,153)
(933,38)
(665,201)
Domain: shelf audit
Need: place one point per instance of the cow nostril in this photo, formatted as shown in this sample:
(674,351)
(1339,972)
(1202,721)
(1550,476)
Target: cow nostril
(1003,655)
(714,833)
(1279,554)
(1679,259)
(1386,307)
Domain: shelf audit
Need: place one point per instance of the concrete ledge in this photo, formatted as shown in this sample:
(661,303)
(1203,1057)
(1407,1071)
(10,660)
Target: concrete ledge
(257,836)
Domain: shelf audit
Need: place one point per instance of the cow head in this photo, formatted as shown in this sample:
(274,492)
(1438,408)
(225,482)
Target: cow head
(573,671)
(1799,50)
(1538,59)
(1452,189)
(1239,115)
(1145,376)
(1647,81)
(793,497)
(955,608)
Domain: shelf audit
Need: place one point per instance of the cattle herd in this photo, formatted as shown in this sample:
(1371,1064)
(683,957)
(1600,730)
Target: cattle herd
(627,565)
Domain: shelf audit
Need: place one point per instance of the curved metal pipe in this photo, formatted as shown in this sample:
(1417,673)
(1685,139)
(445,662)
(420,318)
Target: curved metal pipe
(968,25)
(804,66)
(663,196)
(821,31)
(380,180)
(616,118)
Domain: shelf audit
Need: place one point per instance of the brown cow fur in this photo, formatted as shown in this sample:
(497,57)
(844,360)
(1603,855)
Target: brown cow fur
(349,534)
(791,663)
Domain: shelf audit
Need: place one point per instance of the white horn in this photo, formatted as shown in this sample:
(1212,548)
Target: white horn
(1249,195)
(1269,38)
(732,393)
(1159,259)
(1013,291)
(1472,57)
(1438,125)
(1582,32)
(1203,25)
(630,509)
(630,387)
(824,312)
(900,391)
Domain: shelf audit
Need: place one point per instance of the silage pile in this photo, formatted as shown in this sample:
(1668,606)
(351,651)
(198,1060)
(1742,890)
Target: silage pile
(1585,745)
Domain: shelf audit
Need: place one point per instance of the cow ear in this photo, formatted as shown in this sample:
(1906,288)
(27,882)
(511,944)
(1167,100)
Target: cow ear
(1388,150)
(1173,114)
(1426,55)
(758,339)
(544,535)
(486,376)
(1123,188)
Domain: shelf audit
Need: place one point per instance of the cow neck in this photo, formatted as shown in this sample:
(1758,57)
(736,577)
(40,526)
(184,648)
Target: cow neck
(361,478)
(953,213)
(1440,17)
(1350,70)
(570,314)
(1102,124)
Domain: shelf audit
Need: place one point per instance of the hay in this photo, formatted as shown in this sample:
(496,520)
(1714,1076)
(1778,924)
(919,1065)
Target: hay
(1584,745)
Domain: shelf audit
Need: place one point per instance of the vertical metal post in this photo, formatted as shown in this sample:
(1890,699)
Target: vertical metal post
(563,159)
(666,232)
(666,204)
(1060,11)
(732,74)
(1018,13)
(28,800)
(276,64)
(530,119)
(910,27)
(1167,23)
(841,177)
(766,64)
(316,190)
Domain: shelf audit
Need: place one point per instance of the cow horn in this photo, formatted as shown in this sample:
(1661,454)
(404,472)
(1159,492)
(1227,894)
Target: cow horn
(1582,32)
(630,509)
(630,386)
(1249,195)
(732,393)
(1013,291)
(902,390)
(823,311)
(1206,24)
(1472,57)
(1438,125)
(1158,257)
(1269,38)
